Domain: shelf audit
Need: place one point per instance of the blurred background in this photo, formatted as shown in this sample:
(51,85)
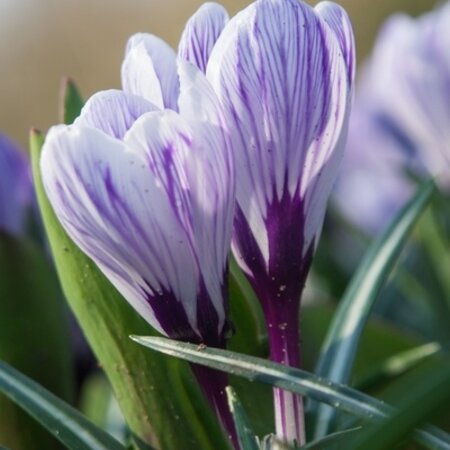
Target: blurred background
(43,40)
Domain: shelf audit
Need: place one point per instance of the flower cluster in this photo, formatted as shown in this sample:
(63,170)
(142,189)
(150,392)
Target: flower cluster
(238,138)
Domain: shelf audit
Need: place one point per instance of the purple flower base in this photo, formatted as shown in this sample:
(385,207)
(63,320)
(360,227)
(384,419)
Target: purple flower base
(213,384)
(284,338)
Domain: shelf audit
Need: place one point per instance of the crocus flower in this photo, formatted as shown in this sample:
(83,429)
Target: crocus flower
(283,71)
(143,182)
(372,184)
(16,189)
(402,98)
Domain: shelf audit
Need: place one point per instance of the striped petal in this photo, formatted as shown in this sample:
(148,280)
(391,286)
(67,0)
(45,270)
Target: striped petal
(279,70)
(201,33)
(337,19)
(128,205)
(149,70)
(16,190)
(113,112)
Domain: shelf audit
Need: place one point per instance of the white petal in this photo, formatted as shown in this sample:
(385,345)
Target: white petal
(195,163)
(149,70)
(278,69)
(113,112)
(117,212)
(201,33)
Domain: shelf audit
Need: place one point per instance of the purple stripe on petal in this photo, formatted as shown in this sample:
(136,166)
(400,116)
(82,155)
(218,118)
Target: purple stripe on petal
(278,69)
(109,202)
(16,189)
(113,112)
(193,163)
(201,33)
(337,19)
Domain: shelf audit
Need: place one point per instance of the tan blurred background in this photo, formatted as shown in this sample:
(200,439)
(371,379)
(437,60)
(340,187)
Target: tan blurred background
(43,40)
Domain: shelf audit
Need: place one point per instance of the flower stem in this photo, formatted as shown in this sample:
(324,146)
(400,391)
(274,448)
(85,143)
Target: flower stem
(284,339)
(213,384)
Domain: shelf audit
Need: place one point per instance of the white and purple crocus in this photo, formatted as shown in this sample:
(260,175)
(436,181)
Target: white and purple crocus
(144,183)
(254,109)
(16,188)
(284,72)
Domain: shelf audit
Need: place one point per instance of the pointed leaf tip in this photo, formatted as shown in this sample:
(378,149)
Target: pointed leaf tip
(71,102)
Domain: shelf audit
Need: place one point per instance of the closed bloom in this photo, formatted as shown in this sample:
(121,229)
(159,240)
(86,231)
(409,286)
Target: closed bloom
(283,71)
(16,189)
(148,195)
(143,182)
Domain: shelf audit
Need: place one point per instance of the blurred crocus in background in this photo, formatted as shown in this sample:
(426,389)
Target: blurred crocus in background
(284,72)
(399,125)
(16,189)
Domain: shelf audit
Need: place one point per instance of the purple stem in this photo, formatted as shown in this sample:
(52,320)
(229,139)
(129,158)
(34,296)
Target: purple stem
(213,384)
(284,338)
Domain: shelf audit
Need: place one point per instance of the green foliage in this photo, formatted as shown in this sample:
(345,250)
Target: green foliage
(425,393)
(246,436)
(301,382)
(341,343)
(71,101)
(63,421)
(33,335)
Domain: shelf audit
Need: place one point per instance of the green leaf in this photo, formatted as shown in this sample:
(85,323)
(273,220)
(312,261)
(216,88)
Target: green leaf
(63,421)
(251,338)
(71,101)
(397,365)
(332,439)
(294,380)
(246,436)
(150,389)
(341,342)
(33,335)
(246,315)
(428,392)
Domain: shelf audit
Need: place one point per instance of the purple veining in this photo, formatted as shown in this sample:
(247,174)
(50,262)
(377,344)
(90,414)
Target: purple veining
(284,72)
(148,195)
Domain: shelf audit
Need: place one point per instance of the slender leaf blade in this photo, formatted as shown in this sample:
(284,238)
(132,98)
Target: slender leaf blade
(63,421)
(246,436)
(71,101)
(425,396)
(34,335)
(332,439)
(397,365)
(295,380)
(341,343)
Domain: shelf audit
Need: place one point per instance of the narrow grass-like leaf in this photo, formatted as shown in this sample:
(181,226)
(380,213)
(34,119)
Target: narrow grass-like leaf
(70,100)
(397,365)
(341,343)
(153,400)
(332,439)
(246,436)
(246,314)
(426,395)
(34,335)
(295,380)
(63,421)
(251,338)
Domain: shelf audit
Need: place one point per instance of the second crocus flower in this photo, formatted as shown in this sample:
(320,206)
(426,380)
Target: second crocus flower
(284,72)
(148,195)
